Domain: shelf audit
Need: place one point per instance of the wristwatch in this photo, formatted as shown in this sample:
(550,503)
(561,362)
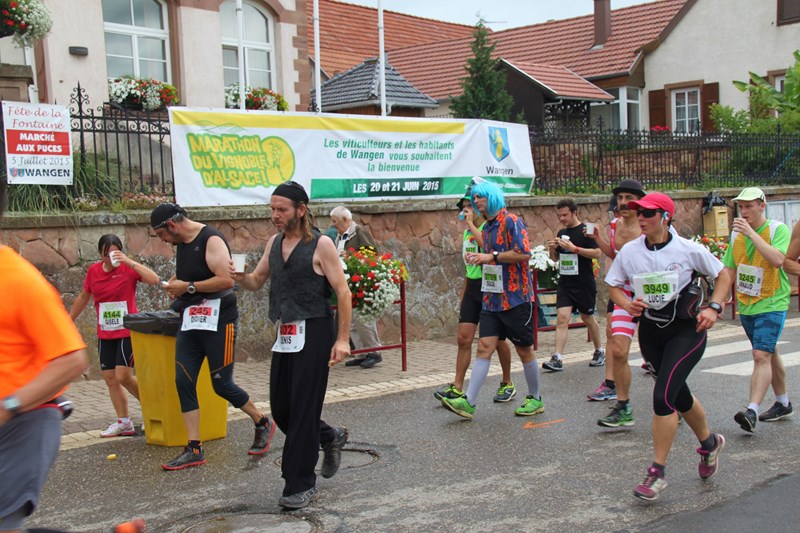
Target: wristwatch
(715,306)
(495,254)
(191,288)
(12,405)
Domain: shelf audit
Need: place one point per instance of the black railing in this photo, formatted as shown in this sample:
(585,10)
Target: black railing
(130,147)
(595,160)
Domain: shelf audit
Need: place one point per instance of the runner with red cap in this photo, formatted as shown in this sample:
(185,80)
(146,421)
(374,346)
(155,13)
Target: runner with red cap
(672,329)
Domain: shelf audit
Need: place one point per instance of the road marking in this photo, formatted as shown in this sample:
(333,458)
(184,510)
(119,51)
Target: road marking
(532,425)
(729,348)
(746,368)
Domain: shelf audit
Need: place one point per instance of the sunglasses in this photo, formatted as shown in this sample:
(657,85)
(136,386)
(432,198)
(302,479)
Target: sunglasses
(648,213)
(164,224)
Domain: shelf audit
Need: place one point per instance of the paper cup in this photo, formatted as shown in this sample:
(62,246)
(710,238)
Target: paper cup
(238,261)
(565,237)
(114,259)
(590,228)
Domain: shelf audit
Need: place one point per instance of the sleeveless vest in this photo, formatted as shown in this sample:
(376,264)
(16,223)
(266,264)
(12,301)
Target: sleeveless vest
(296,291)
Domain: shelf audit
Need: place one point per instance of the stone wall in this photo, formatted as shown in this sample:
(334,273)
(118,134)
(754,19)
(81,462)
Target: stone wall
(426,235)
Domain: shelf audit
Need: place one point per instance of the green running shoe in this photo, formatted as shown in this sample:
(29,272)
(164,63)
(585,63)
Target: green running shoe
(532,406)
(448,392)
(505,392)
(619,417)
(459,406)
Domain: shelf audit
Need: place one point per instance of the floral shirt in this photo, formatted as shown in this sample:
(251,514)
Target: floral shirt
(508,232)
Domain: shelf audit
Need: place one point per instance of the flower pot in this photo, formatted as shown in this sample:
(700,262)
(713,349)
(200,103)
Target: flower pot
(6,30)
(547,279)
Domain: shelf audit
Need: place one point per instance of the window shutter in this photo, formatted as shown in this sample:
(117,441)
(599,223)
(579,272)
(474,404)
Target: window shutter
(658,111)
(710,95)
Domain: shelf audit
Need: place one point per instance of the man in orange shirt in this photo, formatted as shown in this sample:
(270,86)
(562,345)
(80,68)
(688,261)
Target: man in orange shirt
(41,352)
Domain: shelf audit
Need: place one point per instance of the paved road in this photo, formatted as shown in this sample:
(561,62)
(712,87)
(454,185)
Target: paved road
(412,466)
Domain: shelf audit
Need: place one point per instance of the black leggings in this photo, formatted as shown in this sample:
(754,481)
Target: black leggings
(191,347)
(673,351)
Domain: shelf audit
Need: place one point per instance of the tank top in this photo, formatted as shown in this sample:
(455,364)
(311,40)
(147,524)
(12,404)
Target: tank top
(296,291)
(191,266)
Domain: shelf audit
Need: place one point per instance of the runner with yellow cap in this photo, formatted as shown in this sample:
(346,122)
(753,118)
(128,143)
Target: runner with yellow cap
(754,260)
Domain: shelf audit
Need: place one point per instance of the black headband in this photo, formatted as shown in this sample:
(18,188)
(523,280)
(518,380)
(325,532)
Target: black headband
(291,190)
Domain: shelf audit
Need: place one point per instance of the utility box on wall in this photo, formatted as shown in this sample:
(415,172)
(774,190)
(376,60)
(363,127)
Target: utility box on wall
(715,222)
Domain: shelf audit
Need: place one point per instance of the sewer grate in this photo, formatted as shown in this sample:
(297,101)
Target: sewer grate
(254,523)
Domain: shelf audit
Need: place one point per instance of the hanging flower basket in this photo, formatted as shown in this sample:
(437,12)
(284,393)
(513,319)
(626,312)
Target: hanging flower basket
(26,20)
(374,281)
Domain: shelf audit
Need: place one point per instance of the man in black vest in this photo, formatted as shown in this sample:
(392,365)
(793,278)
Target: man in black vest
(302,266)
(201,288)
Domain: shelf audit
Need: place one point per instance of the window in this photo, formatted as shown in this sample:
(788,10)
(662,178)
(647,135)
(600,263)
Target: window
(259,51)
(686,110)
(137,40)
(779,83)
(622,113)
(788,11)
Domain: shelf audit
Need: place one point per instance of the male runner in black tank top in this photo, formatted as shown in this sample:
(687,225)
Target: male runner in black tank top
(202,292)
(302,266)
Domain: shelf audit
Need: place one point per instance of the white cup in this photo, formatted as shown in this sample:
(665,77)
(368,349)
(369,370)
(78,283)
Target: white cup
(238,261)
(565,237)
(114,258)
(590,228)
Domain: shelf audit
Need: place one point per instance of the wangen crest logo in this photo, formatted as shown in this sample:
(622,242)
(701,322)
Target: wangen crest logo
(498,143)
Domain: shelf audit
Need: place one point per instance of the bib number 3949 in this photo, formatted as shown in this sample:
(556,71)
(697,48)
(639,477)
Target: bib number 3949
(656,289)
(291,337)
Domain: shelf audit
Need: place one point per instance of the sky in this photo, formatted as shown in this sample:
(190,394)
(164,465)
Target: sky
(499,14)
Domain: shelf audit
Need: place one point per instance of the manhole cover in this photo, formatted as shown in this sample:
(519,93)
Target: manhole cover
(254,523)
(351,458)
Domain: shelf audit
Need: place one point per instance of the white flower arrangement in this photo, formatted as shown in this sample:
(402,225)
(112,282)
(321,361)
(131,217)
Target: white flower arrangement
(374,281)
(540,259)
(29,20)
(150,94)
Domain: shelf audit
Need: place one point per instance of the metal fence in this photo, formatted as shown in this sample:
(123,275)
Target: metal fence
(130,147)
(595,160)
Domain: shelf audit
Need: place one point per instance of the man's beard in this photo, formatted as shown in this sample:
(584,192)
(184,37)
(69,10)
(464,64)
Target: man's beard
(292,224)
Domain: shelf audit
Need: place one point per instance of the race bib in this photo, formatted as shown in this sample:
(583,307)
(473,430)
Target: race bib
(656,289)
(110,314)
(203,316)
(568,264)
(291,337)
(468,246)
(492,278)
(749,280)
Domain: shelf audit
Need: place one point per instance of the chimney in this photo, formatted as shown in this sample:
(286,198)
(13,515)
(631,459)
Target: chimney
(602,22)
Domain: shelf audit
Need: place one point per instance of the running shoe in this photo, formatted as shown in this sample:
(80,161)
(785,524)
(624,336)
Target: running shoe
(299,500)
(459,406)
(532,406)
(598,358)
(119,429)
(263,438)
(332,453)
(746,419)
(505,392)
(652,485)
(603,392)
(448,392)
(776,412)
(709,460)
(619,417)
(554,364)
(187,458)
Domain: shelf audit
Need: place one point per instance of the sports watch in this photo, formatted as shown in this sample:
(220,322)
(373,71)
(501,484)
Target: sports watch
(191,288)
(716,307)
(12,405)
(495,254)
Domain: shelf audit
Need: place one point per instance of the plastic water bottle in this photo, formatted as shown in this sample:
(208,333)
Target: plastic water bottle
(462,215)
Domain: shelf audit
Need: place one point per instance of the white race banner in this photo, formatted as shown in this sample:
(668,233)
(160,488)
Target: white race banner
(38,147)
(232,157)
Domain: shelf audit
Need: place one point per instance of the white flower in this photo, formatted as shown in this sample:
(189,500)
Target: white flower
(540,259)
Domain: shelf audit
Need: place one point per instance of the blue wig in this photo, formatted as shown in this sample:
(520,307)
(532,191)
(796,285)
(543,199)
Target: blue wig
(494,197)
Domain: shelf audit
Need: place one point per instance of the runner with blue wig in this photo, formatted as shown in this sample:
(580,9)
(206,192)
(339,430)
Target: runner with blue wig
(495,201)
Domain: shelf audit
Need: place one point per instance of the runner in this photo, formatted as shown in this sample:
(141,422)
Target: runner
(111,283)
(302,266)
(754,260)
(470,311)
(672,331)
(507,301)
(202,291)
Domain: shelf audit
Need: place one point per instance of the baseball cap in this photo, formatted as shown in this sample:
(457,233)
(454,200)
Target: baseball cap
(751,193)
(654,200)
(164,212)
(631,186)
(466,197)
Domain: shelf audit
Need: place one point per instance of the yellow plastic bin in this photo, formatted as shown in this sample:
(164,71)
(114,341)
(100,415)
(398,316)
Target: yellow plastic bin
(161,410)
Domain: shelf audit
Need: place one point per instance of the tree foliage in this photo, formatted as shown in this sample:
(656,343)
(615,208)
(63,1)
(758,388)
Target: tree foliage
(484,89)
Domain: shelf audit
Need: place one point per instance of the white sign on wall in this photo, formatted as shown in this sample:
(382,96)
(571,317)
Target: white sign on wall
(38,146)
(230,157)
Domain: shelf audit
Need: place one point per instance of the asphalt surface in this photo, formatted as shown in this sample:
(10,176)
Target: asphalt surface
(413,466)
